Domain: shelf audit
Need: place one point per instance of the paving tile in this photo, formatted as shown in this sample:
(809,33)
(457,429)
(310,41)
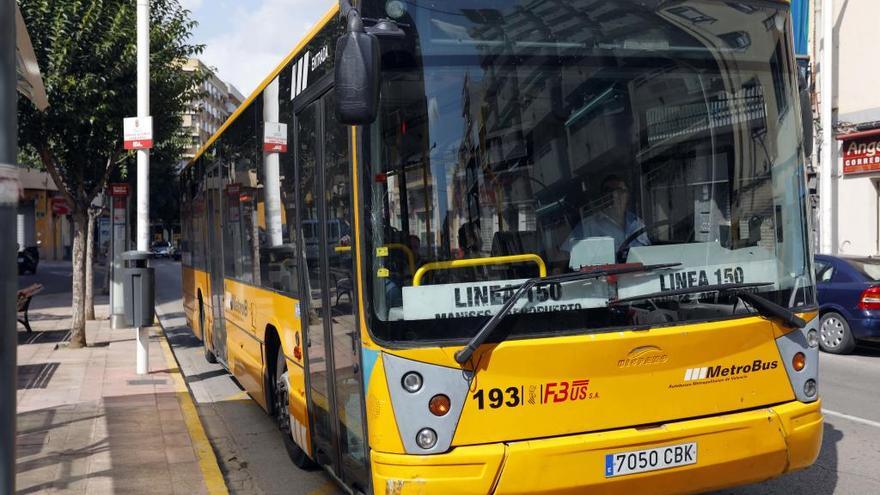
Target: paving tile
(98,427)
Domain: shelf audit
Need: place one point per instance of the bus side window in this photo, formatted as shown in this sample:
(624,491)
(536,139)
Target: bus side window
(280,257)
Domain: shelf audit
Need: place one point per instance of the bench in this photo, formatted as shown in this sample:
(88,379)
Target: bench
(23,302)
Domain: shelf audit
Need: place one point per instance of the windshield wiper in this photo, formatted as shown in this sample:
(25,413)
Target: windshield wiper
(464,354)
(764,306)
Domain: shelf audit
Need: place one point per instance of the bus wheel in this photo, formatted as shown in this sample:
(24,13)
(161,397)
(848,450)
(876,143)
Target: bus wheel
(209,356)
(281,399)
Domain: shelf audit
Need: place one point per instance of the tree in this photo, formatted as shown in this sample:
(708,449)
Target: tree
(86,49)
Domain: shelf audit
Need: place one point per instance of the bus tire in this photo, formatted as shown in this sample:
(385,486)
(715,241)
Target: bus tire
(835,335)
(281,412)
(209,356)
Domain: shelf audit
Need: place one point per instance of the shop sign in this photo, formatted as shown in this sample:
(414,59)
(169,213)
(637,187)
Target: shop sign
(117,190)
(861,155)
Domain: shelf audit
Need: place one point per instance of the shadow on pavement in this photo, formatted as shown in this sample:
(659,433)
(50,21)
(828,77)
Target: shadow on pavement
(867,350)
(32,376)
(181,336)
(206,375)
(43,337)
(119,445)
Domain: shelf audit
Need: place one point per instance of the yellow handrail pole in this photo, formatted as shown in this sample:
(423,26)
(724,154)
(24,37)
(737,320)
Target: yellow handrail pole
(410,257)
(494,260)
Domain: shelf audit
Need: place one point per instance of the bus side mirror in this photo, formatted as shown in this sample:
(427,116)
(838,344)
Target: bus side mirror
(806,114)
(357,77)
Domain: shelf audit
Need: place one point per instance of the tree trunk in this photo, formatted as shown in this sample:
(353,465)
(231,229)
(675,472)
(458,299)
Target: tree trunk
(89,303)
(78,324)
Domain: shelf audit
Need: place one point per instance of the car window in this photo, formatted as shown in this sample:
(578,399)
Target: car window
(824,271)
(868,267)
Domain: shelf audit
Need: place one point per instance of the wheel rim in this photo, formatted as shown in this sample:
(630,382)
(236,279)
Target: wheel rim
(832,332)
(281,403)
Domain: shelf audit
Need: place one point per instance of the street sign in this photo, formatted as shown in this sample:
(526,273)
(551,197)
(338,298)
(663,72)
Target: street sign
(138,133)
(274,137)
(60,207)
(117,190)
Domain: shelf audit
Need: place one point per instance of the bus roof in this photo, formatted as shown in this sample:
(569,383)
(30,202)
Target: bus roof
(330,14)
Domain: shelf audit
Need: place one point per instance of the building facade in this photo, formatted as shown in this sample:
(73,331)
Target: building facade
(43,220)
(855,163)
(219,99)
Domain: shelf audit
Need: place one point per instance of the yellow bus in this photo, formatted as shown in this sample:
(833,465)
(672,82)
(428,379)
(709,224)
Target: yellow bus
(519,246)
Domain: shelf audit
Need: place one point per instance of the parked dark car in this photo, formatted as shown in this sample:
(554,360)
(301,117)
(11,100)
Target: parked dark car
(849,301)
(162,249)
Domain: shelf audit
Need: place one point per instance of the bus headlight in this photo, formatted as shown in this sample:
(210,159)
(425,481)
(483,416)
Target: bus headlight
(813,337)
(412,382)
(810,388)
(426,438)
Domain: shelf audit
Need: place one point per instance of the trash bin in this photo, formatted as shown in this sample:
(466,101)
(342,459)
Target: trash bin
(138,289)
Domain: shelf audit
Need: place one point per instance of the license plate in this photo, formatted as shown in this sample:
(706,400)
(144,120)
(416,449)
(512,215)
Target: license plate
(640,461)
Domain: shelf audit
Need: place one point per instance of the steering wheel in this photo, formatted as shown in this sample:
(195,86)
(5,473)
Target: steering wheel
(624,246)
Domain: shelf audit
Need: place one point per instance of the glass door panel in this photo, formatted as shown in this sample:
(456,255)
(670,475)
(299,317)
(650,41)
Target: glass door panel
(215,264)
(333,344)
(340,282)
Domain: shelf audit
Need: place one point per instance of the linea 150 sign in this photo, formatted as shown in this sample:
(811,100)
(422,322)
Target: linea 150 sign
(138,133)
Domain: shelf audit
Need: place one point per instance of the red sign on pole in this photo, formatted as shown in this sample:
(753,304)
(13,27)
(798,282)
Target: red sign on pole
(138,133)
(60,206)
(118,190)
(861,155)
(274,137)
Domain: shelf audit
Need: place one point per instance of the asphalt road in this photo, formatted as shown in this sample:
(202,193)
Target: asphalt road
(254,461)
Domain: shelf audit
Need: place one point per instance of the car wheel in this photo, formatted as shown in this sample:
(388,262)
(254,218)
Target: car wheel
(281,400)
(835,335)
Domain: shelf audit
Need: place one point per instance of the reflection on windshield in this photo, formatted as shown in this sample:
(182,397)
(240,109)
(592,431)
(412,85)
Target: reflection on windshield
(587,138)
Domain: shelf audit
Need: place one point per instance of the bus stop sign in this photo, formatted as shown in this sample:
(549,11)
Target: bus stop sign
(138,133)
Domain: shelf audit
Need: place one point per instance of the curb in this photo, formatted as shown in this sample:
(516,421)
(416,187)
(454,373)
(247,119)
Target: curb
(208,464)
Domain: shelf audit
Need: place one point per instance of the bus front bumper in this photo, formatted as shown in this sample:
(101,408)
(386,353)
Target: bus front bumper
(733,449)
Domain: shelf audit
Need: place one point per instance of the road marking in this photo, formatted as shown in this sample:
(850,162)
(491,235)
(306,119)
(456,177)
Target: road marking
(854,419)
(207,461)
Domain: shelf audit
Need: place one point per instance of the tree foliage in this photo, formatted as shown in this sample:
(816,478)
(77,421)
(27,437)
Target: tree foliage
(86,50)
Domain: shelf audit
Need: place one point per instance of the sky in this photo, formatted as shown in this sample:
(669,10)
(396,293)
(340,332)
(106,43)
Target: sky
(245,39)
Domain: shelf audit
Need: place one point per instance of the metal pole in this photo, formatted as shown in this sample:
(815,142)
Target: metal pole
(143,163)
(8,270)
(826,167)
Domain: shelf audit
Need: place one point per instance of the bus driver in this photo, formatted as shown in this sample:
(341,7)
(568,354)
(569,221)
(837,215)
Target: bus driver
(614,220)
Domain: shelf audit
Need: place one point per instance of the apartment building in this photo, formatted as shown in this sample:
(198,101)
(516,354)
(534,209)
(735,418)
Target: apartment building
(208,113)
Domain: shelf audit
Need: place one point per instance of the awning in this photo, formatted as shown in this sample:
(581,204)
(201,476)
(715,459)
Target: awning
(30,82)
(849,136)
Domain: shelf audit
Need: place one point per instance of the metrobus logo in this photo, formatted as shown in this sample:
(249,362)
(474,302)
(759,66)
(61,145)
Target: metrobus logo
(718,371)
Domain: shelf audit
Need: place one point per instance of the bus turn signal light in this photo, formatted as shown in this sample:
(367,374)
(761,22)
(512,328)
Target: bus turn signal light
(439,405)
(799,361)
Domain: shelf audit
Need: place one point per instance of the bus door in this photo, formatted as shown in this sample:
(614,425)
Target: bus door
(335,383)
(214,256)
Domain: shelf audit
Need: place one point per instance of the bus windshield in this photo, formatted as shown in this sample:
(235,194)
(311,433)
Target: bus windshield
(519,139)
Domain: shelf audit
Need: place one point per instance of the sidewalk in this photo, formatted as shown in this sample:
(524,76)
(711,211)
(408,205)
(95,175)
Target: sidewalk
(87,423)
